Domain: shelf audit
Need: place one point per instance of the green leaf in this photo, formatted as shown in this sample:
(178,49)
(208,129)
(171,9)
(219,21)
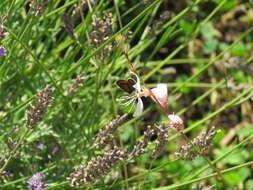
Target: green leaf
(181,79)
(219,136)
(223,46)
(233,178)
(244,173)
(126,134)
(208,31)
(249,184)
(234,158)
(228,5)
(239,50)
(245,131)
(187,26)
(210,45)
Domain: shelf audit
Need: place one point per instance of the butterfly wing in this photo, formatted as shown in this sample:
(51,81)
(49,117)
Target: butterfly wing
(126,85)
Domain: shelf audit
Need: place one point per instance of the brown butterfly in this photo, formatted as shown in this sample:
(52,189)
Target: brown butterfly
(127,85)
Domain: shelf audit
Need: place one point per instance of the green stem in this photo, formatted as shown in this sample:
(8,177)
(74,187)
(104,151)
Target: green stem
(201,155)
(13,152)
(224,107)
(118,13)
(25,178)
(212,61)
(220,158)
(139,16)
(205,177)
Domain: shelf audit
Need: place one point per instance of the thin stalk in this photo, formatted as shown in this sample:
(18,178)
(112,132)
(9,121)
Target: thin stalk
(145,173)
(14,151)
(59,9)
(84,24)
(25,178)
(182,46)
(224,107)
(85,59)
(191,85)
(178,16)
(212,61)
(118,13)
(201,155)
(89,5)
(219,158)
(181,61)
(36,60)
(176,186)
(200,98)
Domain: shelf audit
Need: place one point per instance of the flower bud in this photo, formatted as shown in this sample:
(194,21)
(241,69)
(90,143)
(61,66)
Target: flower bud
(160,94)
(176,122)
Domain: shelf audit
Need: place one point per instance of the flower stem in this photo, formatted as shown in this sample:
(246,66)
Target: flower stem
(13,152)
(201,155)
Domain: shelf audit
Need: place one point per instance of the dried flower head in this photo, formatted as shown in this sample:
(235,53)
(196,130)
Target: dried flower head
(202,142)
(38,7)
(176,122)
(161,140)
(11,143)
(38,110)
(77,83)
(104,136)
(69,26)
(36,182)
(96,168)
(80,6)
(3,33)
(141,145)
(158,23)
(102,30)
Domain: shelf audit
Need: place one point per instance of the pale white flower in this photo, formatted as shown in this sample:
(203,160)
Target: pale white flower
(176,122)
(160,94)
(136,95)
(139,106)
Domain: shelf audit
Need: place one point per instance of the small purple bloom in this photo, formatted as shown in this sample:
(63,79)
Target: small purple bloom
(40,145)
(6,173)
(55,149)
(3,51)
(36,182)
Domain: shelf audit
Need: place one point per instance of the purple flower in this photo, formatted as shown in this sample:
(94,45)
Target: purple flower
(6,173)
(40,145)
(36,182)
(3,51)
(55,149)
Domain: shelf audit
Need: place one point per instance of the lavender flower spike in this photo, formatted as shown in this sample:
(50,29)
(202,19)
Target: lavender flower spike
(3,51)
(36,182)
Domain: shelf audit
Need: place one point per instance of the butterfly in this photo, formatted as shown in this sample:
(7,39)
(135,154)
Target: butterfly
(127,85)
